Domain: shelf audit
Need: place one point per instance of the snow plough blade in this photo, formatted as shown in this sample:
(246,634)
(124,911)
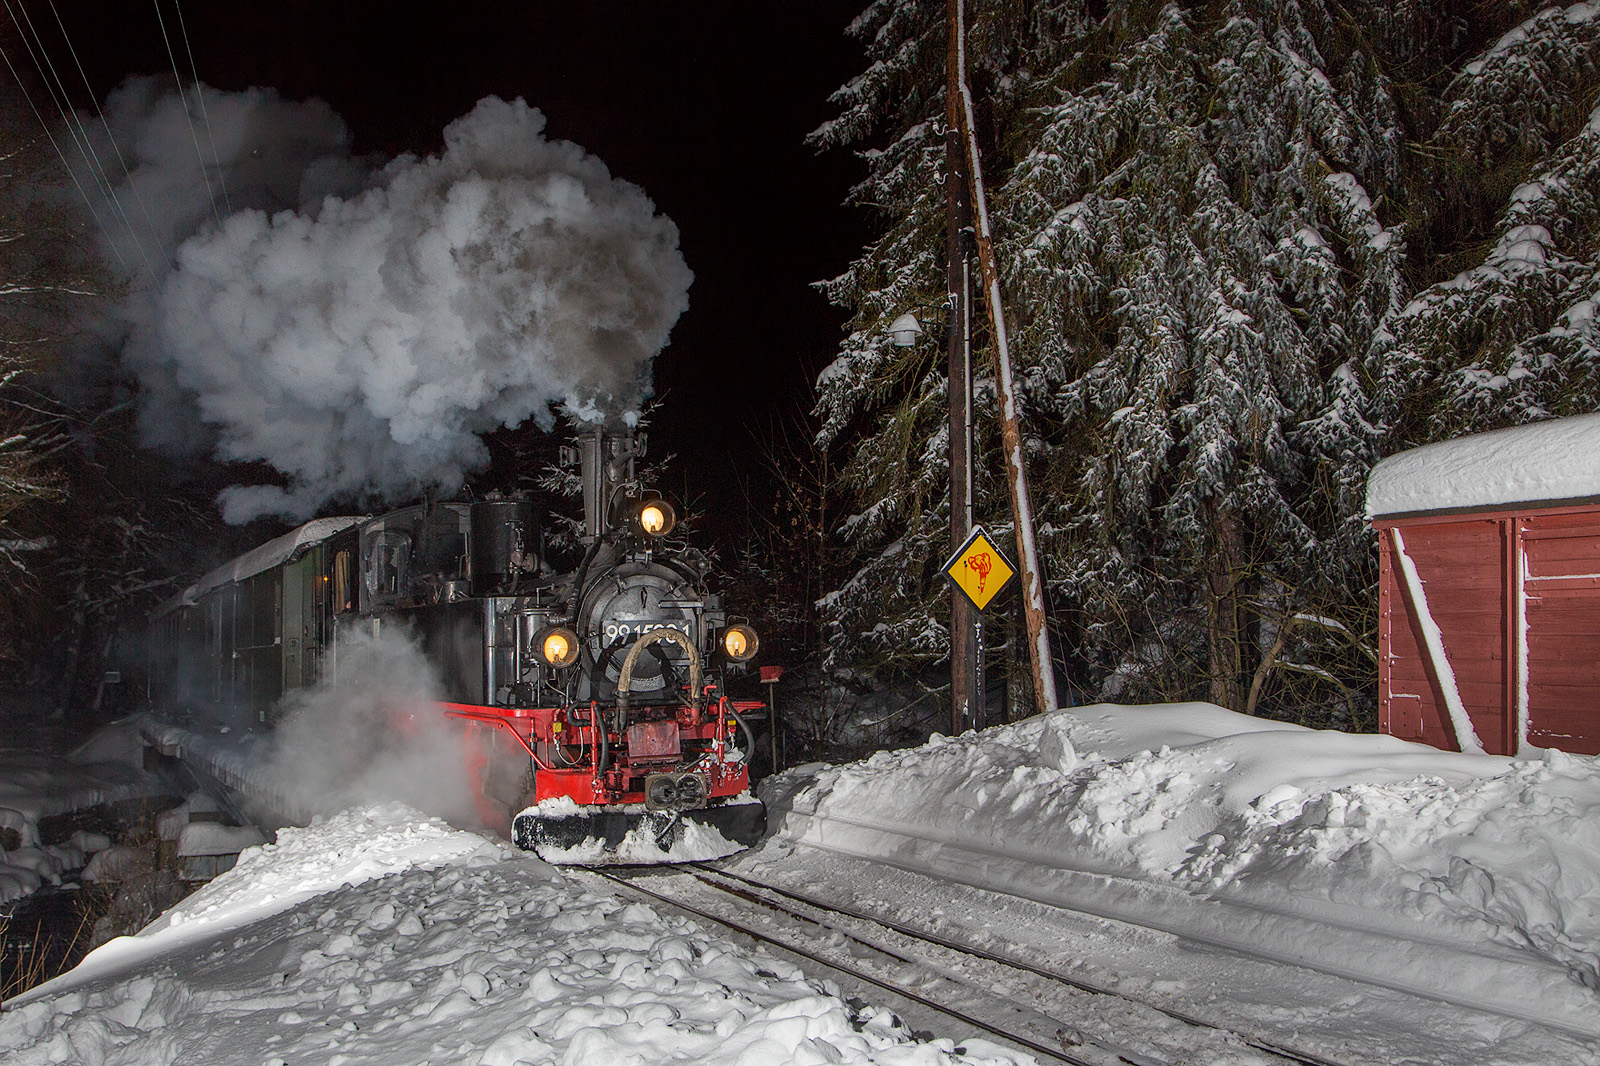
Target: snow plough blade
(600,836)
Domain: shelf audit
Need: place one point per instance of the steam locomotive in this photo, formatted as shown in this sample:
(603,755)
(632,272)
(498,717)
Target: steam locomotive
(592,704)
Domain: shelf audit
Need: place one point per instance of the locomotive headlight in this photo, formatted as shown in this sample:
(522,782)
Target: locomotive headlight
(739,643)
(656,518)
(556,645)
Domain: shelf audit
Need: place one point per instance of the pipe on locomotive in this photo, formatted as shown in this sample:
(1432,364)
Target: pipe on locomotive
(655,636)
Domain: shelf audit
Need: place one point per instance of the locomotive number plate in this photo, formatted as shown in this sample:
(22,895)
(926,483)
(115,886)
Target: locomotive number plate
(616,631)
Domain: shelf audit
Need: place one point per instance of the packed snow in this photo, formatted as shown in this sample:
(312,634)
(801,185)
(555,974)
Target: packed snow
(1464,879)
(383,936)
(658,838)
(1542,462)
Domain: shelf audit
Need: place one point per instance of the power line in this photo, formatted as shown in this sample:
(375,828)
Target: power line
(194,133)
(62,156)
(200,96)
(116,148)
(74,124)
(60,99)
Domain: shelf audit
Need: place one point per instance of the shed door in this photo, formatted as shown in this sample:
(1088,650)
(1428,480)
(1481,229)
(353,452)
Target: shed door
(1561,583)
(1461,566)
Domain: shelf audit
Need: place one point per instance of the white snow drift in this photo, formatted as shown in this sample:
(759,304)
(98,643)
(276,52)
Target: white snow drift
(1467,878)
(454,954)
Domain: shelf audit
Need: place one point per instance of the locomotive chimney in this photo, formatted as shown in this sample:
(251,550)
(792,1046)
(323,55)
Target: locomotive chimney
(592,470)
(605,464)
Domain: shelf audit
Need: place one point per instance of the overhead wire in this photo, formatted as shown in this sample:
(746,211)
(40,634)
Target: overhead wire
(53,85)
(80,133)
(63,157)
(33,42)
(194,133)
(199,95)
(111,137)
(74,126)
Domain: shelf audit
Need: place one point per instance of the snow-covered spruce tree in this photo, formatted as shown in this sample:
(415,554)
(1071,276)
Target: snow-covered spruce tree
(1196,253)
(890,402)
(887,406)
(1185,205)
(1505,333)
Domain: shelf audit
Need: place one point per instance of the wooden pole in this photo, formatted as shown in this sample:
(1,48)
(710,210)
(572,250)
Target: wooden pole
(770,675)
(1044,682)
(966,710)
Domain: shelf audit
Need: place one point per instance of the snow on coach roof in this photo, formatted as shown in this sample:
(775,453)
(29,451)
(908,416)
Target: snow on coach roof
(1558,459)
(273,552)
(262,558)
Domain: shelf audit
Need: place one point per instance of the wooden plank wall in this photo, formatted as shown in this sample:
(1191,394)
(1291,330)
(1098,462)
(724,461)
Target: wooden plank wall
(1563,611)
(1476,572)
(1461,567)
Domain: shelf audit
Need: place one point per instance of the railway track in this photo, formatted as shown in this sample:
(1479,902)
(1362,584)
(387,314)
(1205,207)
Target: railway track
(1378,952)
(955,987)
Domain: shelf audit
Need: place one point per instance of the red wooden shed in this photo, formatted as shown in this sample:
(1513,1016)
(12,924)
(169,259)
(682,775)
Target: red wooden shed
(1489,589)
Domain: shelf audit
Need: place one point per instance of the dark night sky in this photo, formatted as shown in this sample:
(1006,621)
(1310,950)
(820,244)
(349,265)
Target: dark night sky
(705,105)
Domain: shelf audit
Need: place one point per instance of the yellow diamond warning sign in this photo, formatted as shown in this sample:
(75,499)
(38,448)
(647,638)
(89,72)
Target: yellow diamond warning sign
(979,569)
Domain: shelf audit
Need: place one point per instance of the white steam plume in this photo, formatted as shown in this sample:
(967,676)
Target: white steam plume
(372,732)
(358,329)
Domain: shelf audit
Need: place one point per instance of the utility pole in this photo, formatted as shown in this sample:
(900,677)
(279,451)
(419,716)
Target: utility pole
(959,105)
(966,692)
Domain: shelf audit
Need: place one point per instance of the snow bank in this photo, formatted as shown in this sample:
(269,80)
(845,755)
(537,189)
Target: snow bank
(36,785)
(1140,786)
(213,838)
(1545,461)
(346,849)
(115,864)
(458,959)
(1514,857)
(1350,851)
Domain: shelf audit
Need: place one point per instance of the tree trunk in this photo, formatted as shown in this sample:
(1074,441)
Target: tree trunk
(1224,624)
(69,672)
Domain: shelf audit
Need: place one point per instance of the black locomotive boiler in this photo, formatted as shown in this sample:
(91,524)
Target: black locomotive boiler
(592,707)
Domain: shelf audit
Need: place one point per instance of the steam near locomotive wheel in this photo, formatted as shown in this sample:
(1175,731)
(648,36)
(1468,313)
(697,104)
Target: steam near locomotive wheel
(593,718)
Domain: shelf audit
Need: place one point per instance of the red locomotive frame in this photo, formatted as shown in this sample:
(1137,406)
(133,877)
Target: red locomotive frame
(577,775)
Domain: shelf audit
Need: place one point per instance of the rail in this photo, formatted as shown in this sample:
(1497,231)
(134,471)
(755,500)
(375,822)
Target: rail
(1259,1043)
(906,970)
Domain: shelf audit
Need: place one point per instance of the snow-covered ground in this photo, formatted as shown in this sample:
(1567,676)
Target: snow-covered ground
(36,784)
(1447,886)
(1359,897)
(384,936)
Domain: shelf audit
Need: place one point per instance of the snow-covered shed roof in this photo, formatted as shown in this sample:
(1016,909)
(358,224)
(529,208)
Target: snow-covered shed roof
(1542,462)
(270,554)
